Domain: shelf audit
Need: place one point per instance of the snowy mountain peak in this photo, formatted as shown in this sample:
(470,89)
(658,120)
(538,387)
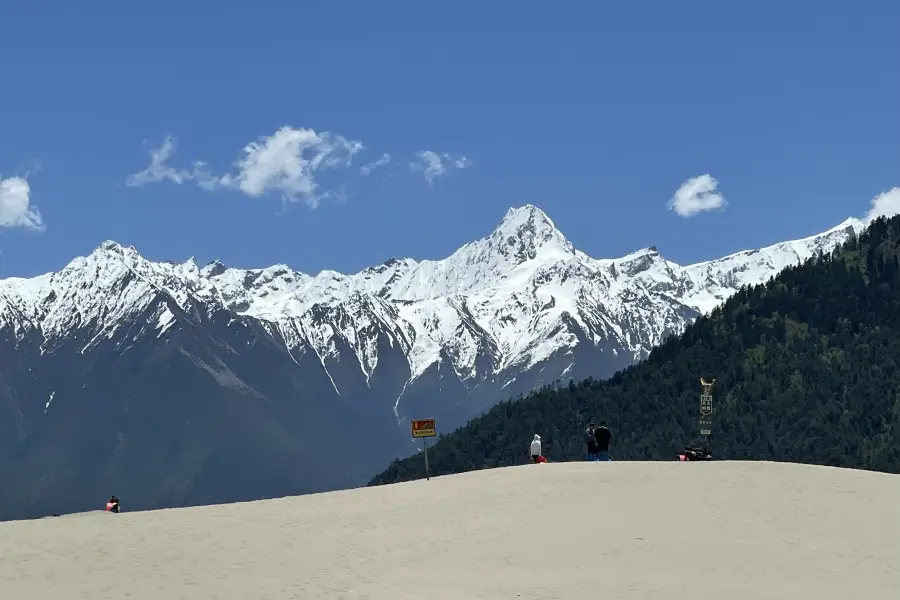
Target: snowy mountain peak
(213,269)
(638,262)
(526,231)
(109,245)
(851,223)
(516,216)
(115,248)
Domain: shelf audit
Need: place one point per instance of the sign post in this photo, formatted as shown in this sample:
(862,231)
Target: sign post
(424,428)
(706,408)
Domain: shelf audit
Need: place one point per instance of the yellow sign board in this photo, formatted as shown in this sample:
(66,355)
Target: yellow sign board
(423,428)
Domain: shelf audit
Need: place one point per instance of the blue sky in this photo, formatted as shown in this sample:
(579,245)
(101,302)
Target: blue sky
(595,113)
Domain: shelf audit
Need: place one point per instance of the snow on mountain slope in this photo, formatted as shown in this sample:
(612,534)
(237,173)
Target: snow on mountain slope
(519,296)
(100,292)
(714,281)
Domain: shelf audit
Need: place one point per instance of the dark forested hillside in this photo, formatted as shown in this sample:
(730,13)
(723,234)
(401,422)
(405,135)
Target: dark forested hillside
(806,368)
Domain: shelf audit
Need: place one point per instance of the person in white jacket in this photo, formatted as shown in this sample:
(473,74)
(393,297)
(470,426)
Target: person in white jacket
(536,448)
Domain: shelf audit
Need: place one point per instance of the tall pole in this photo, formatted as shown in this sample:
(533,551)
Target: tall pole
(706,410)
(427,474)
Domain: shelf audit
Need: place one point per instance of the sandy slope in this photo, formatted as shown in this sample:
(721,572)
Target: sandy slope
(568,531)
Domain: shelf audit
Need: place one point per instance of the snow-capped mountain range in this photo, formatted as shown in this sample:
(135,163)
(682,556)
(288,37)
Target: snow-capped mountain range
(405,338)
(523,294)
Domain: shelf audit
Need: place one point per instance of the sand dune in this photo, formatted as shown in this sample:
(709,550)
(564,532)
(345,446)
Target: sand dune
(568,531)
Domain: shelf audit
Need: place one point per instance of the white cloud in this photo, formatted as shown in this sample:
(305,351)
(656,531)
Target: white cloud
(16,209)
(885,204)
(368,168)
(434,165)
(158,170)
(204,178)
(286,161)
(291,162)
(696,195)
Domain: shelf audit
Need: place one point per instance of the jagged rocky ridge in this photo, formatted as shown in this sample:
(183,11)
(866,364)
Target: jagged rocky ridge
(181,385)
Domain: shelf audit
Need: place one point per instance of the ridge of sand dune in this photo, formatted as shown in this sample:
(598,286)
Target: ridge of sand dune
(733,530)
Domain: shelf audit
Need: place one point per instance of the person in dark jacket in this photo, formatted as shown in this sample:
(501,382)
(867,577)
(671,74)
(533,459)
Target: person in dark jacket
(590,435)
(602,435)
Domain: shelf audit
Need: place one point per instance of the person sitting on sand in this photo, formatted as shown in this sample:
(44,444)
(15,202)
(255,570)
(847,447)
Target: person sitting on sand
(536,449)
(112,505)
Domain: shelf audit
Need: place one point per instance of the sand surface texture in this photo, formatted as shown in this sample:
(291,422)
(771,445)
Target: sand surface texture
(560,531)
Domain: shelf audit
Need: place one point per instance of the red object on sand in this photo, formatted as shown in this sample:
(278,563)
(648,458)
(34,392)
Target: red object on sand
(541,459)
(109,506)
